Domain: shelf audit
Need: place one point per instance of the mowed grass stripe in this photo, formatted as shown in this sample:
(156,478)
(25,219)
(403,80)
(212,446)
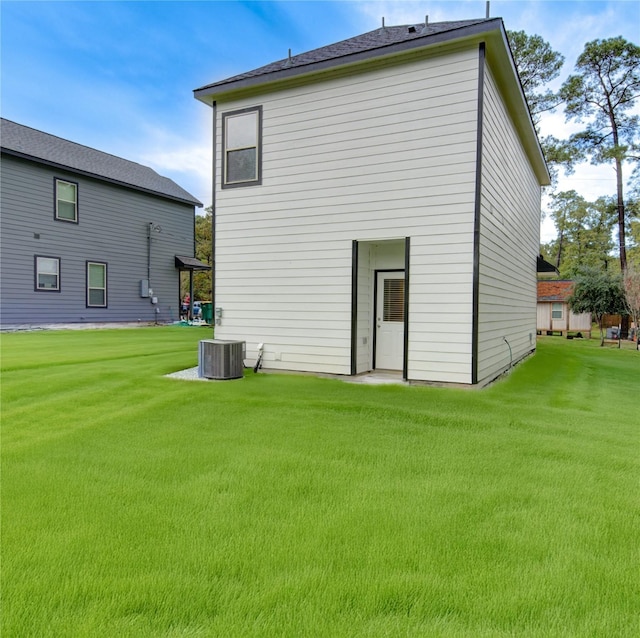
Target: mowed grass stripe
(136,505)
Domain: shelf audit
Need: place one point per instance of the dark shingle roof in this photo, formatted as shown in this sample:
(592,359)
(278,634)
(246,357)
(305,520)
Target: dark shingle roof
(377,40)
(22,141)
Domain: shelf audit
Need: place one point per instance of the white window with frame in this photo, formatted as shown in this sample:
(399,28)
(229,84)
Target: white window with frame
(242,147)
(47,273)
(556,310)
(66,201)
(96,284)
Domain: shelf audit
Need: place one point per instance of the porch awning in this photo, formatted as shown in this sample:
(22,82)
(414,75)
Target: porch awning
(190,263)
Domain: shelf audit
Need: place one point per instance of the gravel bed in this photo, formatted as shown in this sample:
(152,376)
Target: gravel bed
(190,374)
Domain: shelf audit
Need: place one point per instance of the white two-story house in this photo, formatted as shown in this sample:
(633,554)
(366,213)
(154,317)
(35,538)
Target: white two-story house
(377,206)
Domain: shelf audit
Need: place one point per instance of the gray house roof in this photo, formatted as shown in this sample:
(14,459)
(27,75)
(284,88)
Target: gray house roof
(372,44)
(23,141)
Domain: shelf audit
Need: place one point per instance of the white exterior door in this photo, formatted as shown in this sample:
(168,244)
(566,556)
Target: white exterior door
(390,321)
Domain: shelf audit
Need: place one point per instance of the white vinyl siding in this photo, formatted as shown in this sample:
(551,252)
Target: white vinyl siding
(509,241)
(377,155)
(580,321)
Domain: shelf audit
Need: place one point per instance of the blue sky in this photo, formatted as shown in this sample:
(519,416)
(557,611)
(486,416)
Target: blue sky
(119,76)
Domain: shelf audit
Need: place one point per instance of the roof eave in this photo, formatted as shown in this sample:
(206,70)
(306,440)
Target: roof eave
(510,82)
(103,178)
(208,93)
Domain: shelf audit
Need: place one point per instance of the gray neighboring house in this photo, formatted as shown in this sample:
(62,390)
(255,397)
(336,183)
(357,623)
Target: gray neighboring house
(86,236)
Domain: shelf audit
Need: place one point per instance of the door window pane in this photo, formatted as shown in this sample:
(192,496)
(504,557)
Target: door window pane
(393,300)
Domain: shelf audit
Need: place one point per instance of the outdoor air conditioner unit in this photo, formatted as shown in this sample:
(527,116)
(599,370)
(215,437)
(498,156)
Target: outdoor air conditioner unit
(219,359)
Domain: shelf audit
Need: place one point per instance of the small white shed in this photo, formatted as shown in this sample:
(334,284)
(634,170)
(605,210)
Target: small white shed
(554,314)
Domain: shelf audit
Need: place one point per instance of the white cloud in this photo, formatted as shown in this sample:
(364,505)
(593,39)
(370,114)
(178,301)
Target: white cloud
(186,163)
(182,152)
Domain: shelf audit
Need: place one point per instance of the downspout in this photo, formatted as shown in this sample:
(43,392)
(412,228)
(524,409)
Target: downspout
(149,225)
(150,228)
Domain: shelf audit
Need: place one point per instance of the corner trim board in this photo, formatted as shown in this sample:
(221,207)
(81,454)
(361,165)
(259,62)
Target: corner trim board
(405,355)
(213,215)
(354,307)
(476,217)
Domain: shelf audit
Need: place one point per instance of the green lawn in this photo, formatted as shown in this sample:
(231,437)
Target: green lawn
(290,506)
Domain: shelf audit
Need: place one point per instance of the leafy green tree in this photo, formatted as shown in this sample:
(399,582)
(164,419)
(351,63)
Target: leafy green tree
(599,292)
(631,284)
(538,64)
(601,220)
(601,94)
(584,232)
(201,278)
(565,207)
(549,250)
(591,244)
(633,230)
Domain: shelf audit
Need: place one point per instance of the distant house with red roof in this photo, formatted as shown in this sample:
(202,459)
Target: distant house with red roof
(553,312)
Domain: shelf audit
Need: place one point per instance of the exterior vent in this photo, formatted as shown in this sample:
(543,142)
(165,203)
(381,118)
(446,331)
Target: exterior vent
(220,360)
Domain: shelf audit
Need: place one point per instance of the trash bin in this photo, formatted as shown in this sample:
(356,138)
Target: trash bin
(207,311)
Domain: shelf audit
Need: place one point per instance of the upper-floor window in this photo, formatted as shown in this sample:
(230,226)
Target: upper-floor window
(66,201)
(96,284)
(242,147)
(47,273)
(556,311)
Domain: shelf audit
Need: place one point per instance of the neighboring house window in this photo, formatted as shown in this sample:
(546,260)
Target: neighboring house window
(242,147)
(96,284)
(47,273)
(556,311)
(66,201)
